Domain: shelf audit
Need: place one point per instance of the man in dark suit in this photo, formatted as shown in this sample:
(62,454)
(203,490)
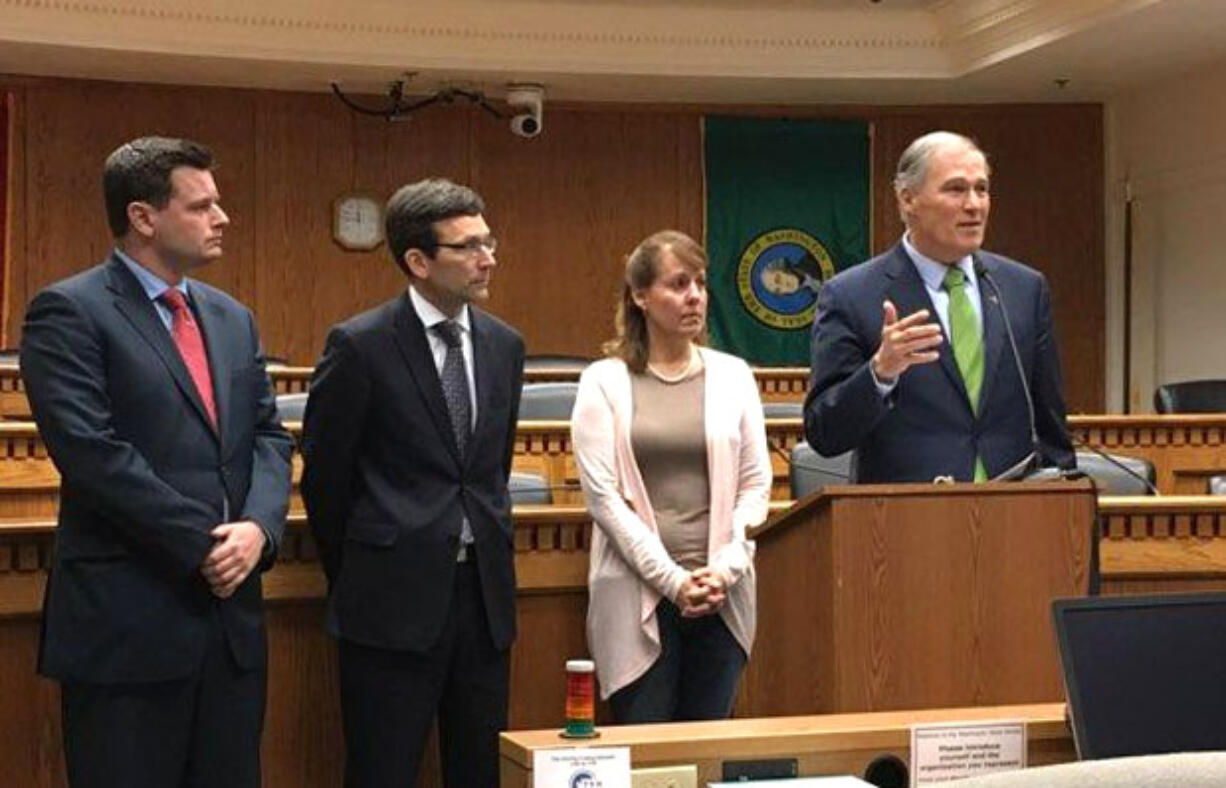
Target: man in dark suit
(150,392)
(943,391)
(408,436)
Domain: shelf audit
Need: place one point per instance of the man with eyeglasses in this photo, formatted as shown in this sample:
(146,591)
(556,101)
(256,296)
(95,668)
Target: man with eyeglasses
(407,437)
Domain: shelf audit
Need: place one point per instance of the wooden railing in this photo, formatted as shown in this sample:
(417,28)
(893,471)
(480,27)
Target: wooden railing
(776,384)
(1185,449)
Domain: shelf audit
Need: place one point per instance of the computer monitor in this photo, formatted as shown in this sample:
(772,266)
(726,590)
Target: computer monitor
(1144,674)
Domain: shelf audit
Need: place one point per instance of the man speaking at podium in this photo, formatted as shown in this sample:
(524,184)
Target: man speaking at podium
(937,359)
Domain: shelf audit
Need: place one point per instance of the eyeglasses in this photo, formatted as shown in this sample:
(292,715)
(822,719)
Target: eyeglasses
(473,246)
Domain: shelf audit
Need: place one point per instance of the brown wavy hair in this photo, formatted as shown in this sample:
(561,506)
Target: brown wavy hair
(642,267)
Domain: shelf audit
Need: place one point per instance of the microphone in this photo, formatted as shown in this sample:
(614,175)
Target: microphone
(1017,469)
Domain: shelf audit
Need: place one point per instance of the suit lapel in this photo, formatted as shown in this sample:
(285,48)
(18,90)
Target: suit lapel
(909,295)
(210,317)
(415,348)
(483,367)
(994,337)
(134,304)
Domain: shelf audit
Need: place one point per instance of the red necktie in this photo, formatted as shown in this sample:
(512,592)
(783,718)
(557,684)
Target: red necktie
(191,347)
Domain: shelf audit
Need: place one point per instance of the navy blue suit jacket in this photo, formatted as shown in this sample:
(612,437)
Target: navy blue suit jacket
(386,488)
(925,427)
(145,478)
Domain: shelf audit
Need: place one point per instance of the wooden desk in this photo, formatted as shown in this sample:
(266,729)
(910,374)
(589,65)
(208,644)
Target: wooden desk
(1164,544)
(302,745)
(1185,449)
(544,448)
(823,745)
(15,407)
(1158,545)
(31,483)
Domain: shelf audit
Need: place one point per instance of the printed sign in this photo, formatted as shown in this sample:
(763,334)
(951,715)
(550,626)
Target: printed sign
(945,752)
(581,767)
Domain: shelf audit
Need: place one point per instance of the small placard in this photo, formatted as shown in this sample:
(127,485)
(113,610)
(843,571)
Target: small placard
(581,767)
(951,751)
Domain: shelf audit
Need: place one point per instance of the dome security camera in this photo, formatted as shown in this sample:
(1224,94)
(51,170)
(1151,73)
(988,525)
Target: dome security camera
(525,125)
(531,100)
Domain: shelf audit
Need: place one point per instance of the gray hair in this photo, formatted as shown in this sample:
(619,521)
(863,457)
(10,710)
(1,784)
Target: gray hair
(913,164)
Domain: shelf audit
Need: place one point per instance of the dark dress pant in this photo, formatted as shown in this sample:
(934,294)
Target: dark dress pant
(389,699)
(199,732)
(694,678)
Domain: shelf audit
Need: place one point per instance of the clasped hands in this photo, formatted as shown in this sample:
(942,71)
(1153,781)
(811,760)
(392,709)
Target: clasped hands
(237,548)
(703,593)
(905,343)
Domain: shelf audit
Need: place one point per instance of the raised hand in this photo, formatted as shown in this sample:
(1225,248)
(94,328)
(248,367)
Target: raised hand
(905,342)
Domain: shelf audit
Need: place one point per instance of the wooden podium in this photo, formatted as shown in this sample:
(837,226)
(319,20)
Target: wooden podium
(905,596)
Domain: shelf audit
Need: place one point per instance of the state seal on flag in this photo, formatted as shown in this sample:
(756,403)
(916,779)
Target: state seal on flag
(779,275)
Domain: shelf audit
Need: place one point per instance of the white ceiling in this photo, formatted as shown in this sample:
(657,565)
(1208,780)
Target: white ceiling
(718,51)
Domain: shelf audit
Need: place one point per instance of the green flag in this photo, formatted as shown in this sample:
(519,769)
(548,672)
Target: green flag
(787,207)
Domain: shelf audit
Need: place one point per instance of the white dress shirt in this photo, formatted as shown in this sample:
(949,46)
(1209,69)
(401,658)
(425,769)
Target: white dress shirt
(430,316)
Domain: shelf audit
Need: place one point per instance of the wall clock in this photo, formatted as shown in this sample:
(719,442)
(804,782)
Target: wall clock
(357,221)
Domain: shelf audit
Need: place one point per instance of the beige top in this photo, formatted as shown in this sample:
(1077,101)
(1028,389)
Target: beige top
(670,444)
(629,570)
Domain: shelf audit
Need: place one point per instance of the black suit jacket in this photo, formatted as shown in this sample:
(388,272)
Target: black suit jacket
(145,478)
(926,427)
(385,487)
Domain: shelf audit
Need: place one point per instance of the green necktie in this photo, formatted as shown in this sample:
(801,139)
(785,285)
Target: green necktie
(967,341)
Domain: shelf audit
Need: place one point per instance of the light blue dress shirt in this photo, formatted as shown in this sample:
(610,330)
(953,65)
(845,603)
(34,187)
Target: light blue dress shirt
(154,286)
(933,275)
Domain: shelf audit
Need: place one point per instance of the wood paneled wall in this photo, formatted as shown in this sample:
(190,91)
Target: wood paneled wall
(5,133)
(566,206)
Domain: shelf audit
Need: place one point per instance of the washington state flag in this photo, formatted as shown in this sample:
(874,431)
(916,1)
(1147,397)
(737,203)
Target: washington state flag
(787,207)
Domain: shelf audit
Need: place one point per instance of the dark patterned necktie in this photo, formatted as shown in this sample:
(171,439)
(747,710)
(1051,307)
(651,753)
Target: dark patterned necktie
(455,383)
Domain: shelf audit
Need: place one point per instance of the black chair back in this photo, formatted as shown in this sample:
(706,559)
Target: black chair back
(1191,396)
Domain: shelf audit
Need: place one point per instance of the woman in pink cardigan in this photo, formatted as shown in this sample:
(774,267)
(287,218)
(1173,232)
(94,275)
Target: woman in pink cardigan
(671,449)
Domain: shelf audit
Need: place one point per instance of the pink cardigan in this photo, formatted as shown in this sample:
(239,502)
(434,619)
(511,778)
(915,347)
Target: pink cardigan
(629,568)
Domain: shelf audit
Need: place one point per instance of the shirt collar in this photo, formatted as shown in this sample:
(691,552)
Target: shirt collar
(430,315)
(152,284)
(933,271)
